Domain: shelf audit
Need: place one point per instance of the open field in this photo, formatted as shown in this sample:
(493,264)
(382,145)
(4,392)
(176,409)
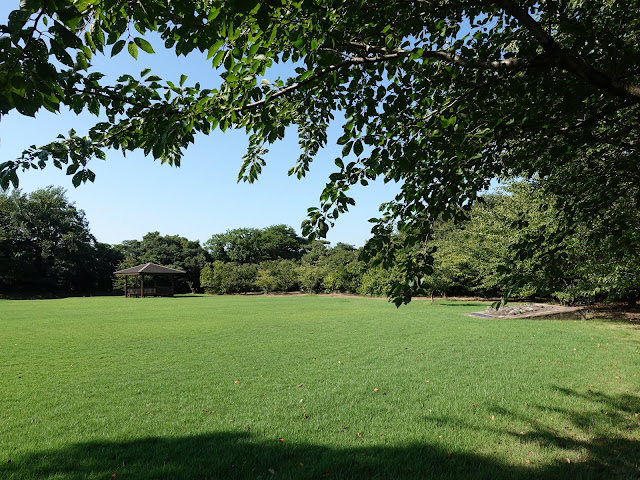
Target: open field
(311,387)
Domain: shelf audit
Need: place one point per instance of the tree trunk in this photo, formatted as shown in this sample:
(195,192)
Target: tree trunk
(632,299)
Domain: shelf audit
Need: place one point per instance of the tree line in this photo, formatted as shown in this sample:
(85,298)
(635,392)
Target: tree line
(46,248)
(440,96)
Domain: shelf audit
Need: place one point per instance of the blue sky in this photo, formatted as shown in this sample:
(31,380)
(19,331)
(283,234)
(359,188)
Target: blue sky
(134,195)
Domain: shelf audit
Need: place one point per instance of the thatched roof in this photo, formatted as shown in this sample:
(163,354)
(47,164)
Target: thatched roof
(150,269)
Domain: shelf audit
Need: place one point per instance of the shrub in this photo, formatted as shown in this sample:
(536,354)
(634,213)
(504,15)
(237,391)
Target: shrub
(225,277)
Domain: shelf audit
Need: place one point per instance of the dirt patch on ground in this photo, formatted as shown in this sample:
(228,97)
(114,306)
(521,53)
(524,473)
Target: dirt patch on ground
(545,310)
(531,310)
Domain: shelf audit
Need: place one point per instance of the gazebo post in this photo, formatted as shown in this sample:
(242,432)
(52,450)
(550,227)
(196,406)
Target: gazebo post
(125,286)
(141,285)
(155,284)
(173,286)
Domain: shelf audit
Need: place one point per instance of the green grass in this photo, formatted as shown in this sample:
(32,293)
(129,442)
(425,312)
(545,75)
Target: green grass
(284,387)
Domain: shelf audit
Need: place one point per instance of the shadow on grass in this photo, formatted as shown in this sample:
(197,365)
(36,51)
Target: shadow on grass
(26,295)
(606,446)
(602,434)
(242,455)
(605,435)
(461,304)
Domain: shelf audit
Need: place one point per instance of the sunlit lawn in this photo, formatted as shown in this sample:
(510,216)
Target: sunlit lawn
(311,387)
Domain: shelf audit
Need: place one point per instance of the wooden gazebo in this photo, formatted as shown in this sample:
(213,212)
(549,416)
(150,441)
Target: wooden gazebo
(154,271)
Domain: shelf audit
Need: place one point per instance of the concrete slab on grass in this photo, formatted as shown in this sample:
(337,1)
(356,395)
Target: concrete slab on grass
(531,310)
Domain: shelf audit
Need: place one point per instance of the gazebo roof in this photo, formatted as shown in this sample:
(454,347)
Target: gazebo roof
(149,269)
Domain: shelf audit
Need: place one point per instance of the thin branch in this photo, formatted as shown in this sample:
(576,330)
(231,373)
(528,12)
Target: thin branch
(322,73)
(568,61)
(538,61)
(387,55)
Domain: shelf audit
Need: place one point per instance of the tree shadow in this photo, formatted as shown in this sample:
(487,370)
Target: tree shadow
(26,295)
(618,314)
(622,403)
(461,304)
(607,452)
(605,435)
(243,455)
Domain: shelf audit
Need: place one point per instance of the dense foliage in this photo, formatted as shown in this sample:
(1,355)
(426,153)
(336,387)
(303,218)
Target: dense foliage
(46,246)
(439,95)
(583,263)
(487,254)
(319,269)
(224,277)
(253,245)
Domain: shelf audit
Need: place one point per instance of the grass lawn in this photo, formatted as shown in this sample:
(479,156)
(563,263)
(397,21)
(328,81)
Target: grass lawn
(311,387)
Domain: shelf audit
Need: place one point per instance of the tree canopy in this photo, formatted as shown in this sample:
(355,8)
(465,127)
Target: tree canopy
(253,245)
(46,246)
(441,96)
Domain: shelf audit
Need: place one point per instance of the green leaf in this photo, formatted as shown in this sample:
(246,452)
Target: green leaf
(117,47)
(76,180)
(183,78)
(144,45)
(133,50)
(98,39)
(357,147)
(214,49)
(306,75)
(69,38)
(344,139)
(217,59)
(81,61)
(13,176)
